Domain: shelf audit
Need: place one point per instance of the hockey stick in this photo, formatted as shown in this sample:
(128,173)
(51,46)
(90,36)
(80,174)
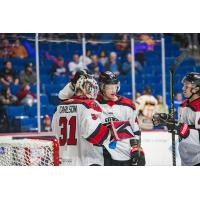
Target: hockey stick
(173,68)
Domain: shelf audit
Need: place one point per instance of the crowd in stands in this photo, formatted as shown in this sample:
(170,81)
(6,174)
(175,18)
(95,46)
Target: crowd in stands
(18,84)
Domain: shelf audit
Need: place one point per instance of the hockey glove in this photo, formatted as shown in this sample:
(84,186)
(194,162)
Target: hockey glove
(79,74)
(137,156)
(172,125)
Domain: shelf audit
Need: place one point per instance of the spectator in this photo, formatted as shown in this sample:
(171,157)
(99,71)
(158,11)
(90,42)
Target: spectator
(146,107)
(126,67)
(19,50)
(113,65)
(25,96)
(140,57)
(87,58)
(28,76)
(122,41)
(95,67)
(160,107)
(58,69)
(46,125)
(6,49)
(193,42)
(8,75)
(6,98)
(177,101)
(75,64)
(102,57)
(137,95)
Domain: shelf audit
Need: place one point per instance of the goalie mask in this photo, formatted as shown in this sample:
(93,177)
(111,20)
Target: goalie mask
(108,78)
(88,86)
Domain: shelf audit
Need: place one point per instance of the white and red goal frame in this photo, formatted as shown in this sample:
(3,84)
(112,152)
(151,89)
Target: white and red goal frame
(35,136)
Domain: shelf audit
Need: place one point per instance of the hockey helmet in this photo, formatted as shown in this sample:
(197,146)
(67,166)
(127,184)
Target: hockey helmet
(88,86)
(193,78)
(107,78)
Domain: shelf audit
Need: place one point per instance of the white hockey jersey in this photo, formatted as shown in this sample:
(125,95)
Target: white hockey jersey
(121,110)
(78,126)
(189,148)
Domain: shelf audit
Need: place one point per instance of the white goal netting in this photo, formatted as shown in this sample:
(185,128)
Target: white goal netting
(28,152)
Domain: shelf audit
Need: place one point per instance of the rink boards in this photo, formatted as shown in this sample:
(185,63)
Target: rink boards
(157,146)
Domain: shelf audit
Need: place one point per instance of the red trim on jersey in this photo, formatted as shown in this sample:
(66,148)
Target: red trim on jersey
(126,101)
(194,105)
(88,102)
(120,101)
(99,135)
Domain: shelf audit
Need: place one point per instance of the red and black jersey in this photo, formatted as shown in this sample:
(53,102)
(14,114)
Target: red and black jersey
(77,122)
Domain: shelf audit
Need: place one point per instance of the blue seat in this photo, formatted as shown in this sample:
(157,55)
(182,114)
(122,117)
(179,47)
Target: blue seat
(44,100)
(45,78)
(50,110)
(60,79)
(53,99)
(14,111)
(32,111)
(53,88)
(125,88)
(14,89)
(25,124)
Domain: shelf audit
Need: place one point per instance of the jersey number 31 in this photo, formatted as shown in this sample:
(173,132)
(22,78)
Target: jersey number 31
(68,138)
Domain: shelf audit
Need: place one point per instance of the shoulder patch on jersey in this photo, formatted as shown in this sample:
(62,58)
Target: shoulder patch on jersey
(126,102)
(195,105)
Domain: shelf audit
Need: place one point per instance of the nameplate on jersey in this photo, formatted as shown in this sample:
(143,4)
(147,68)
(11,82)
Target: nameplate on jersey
(68,109)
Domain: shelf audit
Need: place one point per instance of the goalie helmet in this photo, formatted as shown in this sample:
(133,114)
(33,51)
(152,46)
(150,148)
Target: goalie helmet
(88,86)
(193,78)
(108,78)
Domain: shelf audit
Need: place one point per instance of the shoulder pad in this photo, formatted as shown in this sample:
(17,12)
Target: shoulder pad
(126,102)
(89,103)
(195,105)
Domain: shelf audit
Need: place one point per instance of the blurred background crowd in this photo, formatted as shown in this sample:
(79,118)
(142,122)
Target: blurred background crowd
(60,56)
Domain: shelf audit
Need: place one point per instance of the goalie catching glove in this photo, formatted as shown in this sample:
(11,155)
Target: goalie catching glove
(172,125)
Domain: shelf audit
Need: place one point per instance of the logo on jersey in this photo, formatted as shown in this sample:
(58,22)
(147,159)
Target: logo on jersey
(109,119)
(94,117)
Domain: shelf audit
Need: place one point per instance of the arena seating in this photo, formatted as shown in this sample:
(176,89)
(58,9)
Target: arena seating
(24,118)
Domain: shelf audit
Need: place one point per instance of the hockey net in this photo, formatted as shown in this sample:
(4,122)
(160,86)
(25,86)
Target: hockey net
(29,150)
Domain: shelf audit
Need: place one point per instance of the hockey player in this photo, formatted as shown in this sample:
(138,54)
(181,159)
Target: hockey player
(188,125)
(78,126)
(119,110)
(120,116)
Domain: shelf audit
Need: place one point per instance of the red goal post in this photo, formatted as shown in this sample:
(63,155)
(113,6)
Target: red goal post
(29,149)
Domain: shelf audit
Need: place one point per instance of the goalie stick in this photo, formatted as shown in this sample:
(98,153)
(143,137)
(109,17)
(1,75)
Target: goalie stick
(174,66)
